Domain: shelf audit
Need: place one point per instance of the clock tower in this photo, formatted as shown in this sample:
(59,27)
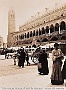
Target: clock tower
(11,27)
(11,21)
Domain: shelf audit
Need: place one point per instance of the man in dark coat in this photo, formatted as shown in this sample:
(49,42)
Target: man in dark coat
(27,58)
(22,58)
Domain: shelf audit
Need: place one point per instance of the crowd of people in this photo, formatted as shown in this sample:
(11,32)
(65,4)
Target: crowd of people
(58,73)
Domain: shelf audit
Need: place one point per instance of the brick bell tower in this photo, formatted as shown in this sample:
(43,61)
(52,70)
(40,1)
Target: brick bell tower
(11,26)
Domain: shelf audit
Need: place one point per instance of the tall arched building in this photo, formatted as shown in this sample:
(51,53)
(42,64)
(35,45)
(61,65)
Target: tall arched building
(41,29)
(11,26)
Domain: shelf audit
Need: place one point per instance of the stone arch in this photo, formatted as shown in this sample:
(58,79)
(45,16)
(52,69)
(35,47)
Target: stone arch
(56,27)
(62,25)
(63,38)
(51,28)
(47,29)
(54,39)
(45,40)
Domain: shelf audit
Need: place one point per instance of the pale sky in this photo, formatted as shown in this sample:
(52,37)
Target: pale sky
(24,9)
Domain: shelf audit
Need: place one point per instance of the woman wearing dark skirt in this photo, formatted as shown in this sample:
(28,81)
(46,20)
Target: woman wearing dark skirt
(56,77)
(44,63)
(64,70)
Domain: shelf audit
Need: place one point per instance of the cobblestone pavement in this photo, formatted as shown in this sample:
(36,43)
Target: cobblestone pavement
(14,78)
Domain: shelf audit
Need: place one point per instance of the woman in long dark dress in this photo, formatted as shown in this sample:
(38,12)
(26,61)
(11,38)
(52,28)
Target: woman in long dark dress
(43,60)
(56,77)
(22,58)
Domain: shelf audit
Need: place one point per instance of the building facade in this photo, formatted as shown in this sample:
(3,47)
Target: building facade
(49,27)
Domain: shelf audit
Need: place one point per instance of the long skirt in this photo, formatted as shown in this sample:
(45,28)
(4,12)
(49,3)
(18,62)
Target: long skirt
(56,77)
(64,70)
(44,68)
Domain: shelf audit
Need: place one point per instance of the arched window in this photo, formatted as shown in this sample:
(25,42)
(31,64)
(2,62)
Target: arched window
(21,36)
(62,25)
(51,28)
(30,33)
(39,31)
(34,33)
(56,27)
(47,29)
(43,31)
(25,35)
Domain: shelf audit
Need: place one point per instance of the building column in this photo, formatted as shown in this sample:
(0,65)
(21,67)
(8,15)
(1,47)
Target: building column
(59,30)
(24,36)
(49,31)
(29,35)
(38,33)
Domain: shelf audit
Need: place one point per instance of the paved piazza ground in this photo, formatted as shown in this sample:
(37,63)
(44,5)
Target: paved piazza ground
(14,78)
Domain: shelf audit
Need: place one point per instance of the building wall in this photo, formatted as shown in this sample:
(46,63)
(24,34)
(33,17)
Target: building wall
(1,41)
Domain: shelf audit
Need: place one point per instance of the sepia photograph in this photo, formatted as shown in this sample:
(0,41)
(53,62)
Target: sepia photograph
(32,44)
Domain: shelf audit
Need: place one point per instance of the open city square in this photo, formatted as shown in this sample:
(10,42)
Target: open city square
(32,45)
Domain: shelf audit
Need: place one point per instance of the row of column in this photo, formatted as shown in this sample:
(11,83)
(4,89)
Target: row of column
(36,33)
(40,32)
